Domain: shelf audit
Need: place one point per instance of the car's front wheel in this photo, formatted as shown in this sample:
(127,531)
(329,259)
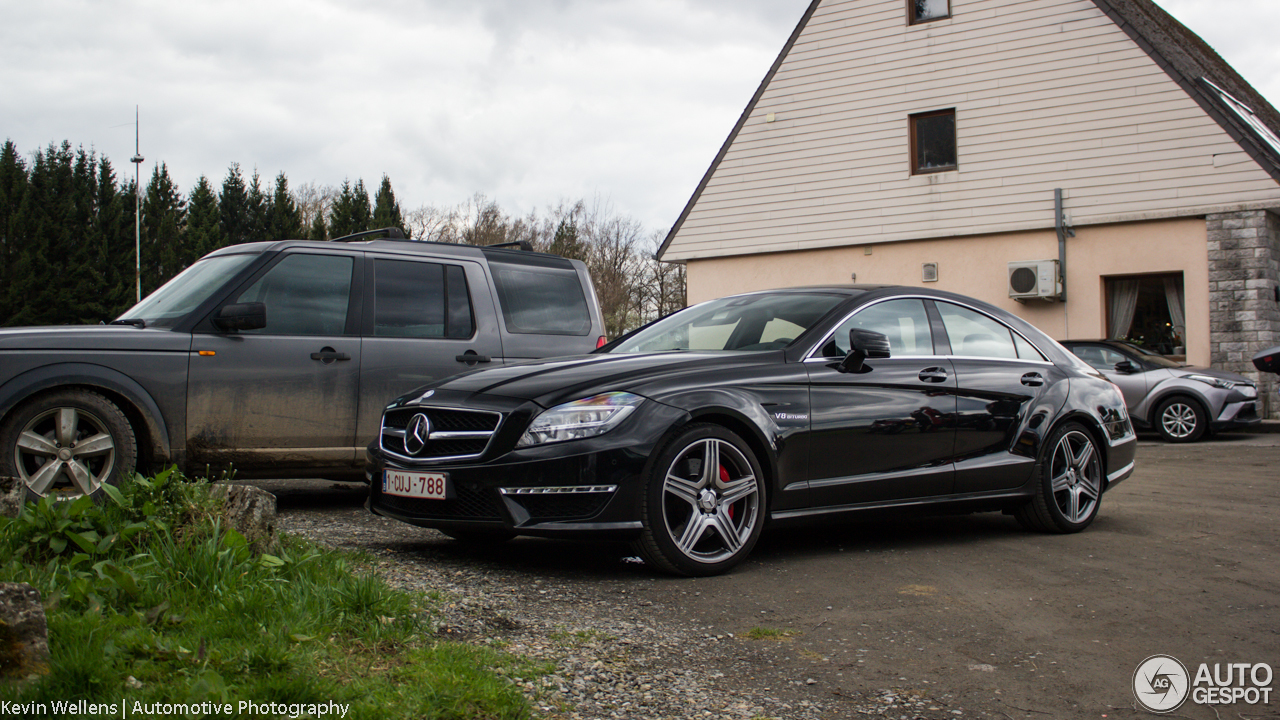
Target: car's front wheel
(704,505)
(1181,419)
(1069,489)
(67,443)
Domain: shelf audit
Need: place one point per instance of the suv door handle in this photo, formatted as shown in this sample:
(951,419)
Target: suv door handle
(471,357)
(327,355)
(1032,379)
(933,375)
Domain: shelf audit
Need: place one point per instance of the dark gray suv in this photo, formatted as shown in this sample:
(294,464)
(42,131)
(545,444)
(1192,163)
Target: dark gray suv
(276,358)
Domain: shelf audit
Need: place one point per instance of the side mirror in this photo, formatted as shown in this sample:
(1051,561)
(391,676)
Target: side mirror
(1126,367)
(864,344)
(241,316)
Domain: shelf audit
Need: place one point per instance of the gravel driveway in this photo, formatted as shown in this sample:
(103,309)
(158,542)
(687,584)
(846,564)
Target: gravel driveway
(893,617)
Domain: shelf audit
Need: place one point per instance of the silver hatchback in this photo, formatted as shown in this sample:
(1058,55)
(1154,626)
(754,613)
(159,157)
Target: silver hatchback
(1180,402)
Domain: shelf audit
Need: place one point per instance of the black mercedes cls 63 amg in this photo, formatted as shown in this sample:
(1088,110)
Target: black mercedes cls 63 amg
(691,434)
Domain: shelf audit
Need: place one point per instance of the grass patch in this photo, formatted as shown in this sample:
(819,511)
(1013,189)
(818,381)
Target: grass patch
(150,599)
(764,633)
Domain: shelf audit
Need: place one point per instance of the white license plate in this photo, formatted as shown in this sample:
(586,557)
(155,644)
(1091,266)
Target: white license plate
(429,486)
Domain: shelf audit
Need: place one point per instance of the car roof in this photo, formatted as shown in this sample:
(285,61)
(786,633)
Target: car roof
(405,247)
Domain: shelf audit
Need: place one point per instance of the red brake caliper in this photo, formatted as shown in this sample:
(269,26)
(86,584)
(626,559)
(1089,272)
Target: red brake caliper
(724,478)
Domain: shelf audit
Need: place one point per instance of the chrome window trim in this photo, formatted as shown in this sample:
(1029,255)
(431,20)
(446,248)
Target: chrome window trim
(821,343)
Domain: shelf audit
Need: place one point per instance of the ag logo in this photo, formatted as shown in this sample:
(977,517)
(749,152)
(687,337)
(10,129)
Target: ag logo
(1161,683)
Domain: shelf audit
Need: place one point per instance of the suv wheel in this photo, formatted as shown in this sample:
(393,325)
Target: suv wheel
(66,444)
(1181,419)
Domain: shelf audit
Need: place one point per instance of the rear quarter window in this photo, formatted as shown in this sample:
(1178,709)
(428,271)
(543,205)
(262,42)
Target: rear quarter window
(541,300)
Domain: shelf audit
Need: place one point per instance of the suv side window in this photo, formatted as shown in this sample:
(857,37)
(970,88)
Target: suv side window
(304,294)
(548,301)
(904,322)
(421,300)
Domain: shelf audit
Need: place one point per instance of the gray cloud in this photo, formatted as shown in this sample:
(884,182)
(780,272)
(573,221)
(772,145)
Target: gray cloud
(529,101)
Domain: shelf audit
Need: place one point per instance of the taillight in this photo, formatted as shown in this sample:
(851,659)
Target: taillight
(600,343)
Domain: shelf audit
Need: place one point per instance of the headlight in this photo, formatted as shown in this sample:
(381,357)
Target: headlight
(580,419)
(1216,382)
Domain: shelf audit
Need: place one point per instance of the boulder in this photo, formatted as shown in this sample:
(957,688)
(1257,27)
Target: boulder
(13,493)
(24,633)
(251,511)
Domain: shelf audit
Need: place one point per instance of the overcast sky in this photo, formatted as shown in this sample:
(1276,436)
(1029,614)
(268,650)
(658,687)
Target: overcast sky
(527,101)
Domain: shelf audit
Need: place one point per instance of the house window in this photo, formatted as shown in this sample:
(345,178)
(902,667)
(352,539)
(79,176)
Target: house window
(919,11)
(1148,311)
(933,142)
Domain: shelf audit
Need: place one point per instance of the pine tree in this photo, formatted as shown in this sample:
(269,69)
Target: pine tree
(204,234)
(13,186)
(386,211)
(284,220)
(235,217)
(351,212)
(318,231)
(259,209)
(112,239)
(164,215)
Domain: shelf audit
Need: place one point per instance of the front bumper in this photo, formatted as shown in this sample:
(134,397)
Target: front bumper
(580,488)
(1237,414)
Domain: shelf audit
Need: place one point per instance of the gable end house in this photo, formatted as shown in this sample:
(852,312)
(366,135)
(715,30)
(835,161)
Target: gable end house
(945,142)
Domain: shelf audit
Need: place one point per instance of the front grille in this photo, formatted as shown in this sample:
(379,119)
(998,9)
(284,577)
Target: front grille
(454,434)
(468,503)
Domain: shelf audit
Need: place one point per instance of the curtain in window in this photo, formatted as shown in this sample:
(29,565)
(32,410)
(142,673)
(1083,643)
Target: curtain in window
(1124,302)
(1173,296)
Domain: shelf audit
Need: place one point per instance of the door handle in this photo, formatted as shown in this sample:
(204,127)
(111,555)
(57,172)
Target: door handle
(1032,379)
(328,355)
(933,375)
(471,357)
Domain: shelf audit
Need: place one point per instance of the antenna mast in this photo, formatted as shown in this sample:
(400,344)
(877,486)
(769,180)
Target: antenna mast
(137,207)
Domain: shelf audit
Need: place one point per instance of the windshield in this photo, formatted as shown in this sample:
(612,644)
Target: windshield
(767,321)
(177,298)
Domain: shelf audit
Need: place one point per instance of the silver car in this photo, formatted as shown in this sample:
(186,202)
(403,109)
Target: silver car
(1181,403)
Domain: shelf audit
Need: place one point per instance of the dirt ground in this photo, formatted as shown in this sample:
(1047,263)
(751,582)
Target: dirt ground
(966,616)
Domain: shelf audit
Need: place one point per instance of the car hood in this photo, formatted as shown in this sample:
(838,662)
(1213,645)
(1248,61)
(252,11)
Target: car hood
(92,338)
(1211,372)
(549,382)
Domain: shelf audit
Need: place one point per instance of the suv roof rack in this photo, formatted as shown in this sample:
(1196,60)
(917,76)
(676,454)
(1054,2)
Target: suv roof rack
(520,244)
(392,233)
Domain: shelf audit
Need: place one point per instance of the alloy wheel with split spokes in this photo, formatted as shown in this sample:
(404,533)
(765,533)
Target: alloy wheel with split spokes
(1070,487)
(1181,419)
(705,503)
(67,444)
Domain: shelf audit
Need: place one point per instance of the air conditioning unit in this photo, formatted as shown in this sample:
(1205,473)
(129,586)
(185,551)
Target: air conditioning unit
(1035,279)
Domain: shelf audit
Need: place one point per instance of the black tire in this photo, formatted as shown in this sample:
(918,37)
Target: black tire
(698,522)
(67,443)
(1069,489)
(479,537)
(1181,419)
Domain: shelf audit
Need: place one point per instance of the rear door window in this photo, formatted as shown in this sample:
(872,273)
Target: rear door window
(541,300)
(421,300)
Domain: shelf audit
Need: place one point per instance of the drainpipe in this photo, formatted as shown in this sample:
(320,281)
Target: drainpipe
(1063,231)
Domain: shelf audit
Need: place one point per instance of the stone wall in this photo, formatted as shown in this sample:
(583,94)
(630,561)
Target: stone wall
(1244,315)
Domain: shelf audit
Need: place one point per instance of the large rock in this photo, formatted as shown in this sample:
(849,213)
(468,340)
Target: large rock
(24,634)
(251,511)
(13,493)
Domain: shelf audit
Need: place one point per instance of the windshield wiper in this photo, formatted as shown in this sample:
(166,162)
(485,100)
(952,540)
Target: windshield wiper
(136,322)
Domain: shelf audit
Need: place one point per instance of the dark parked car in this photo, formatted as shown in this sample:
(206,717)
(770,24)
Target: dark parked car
(275,358)
(1181,403)
(784,406)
